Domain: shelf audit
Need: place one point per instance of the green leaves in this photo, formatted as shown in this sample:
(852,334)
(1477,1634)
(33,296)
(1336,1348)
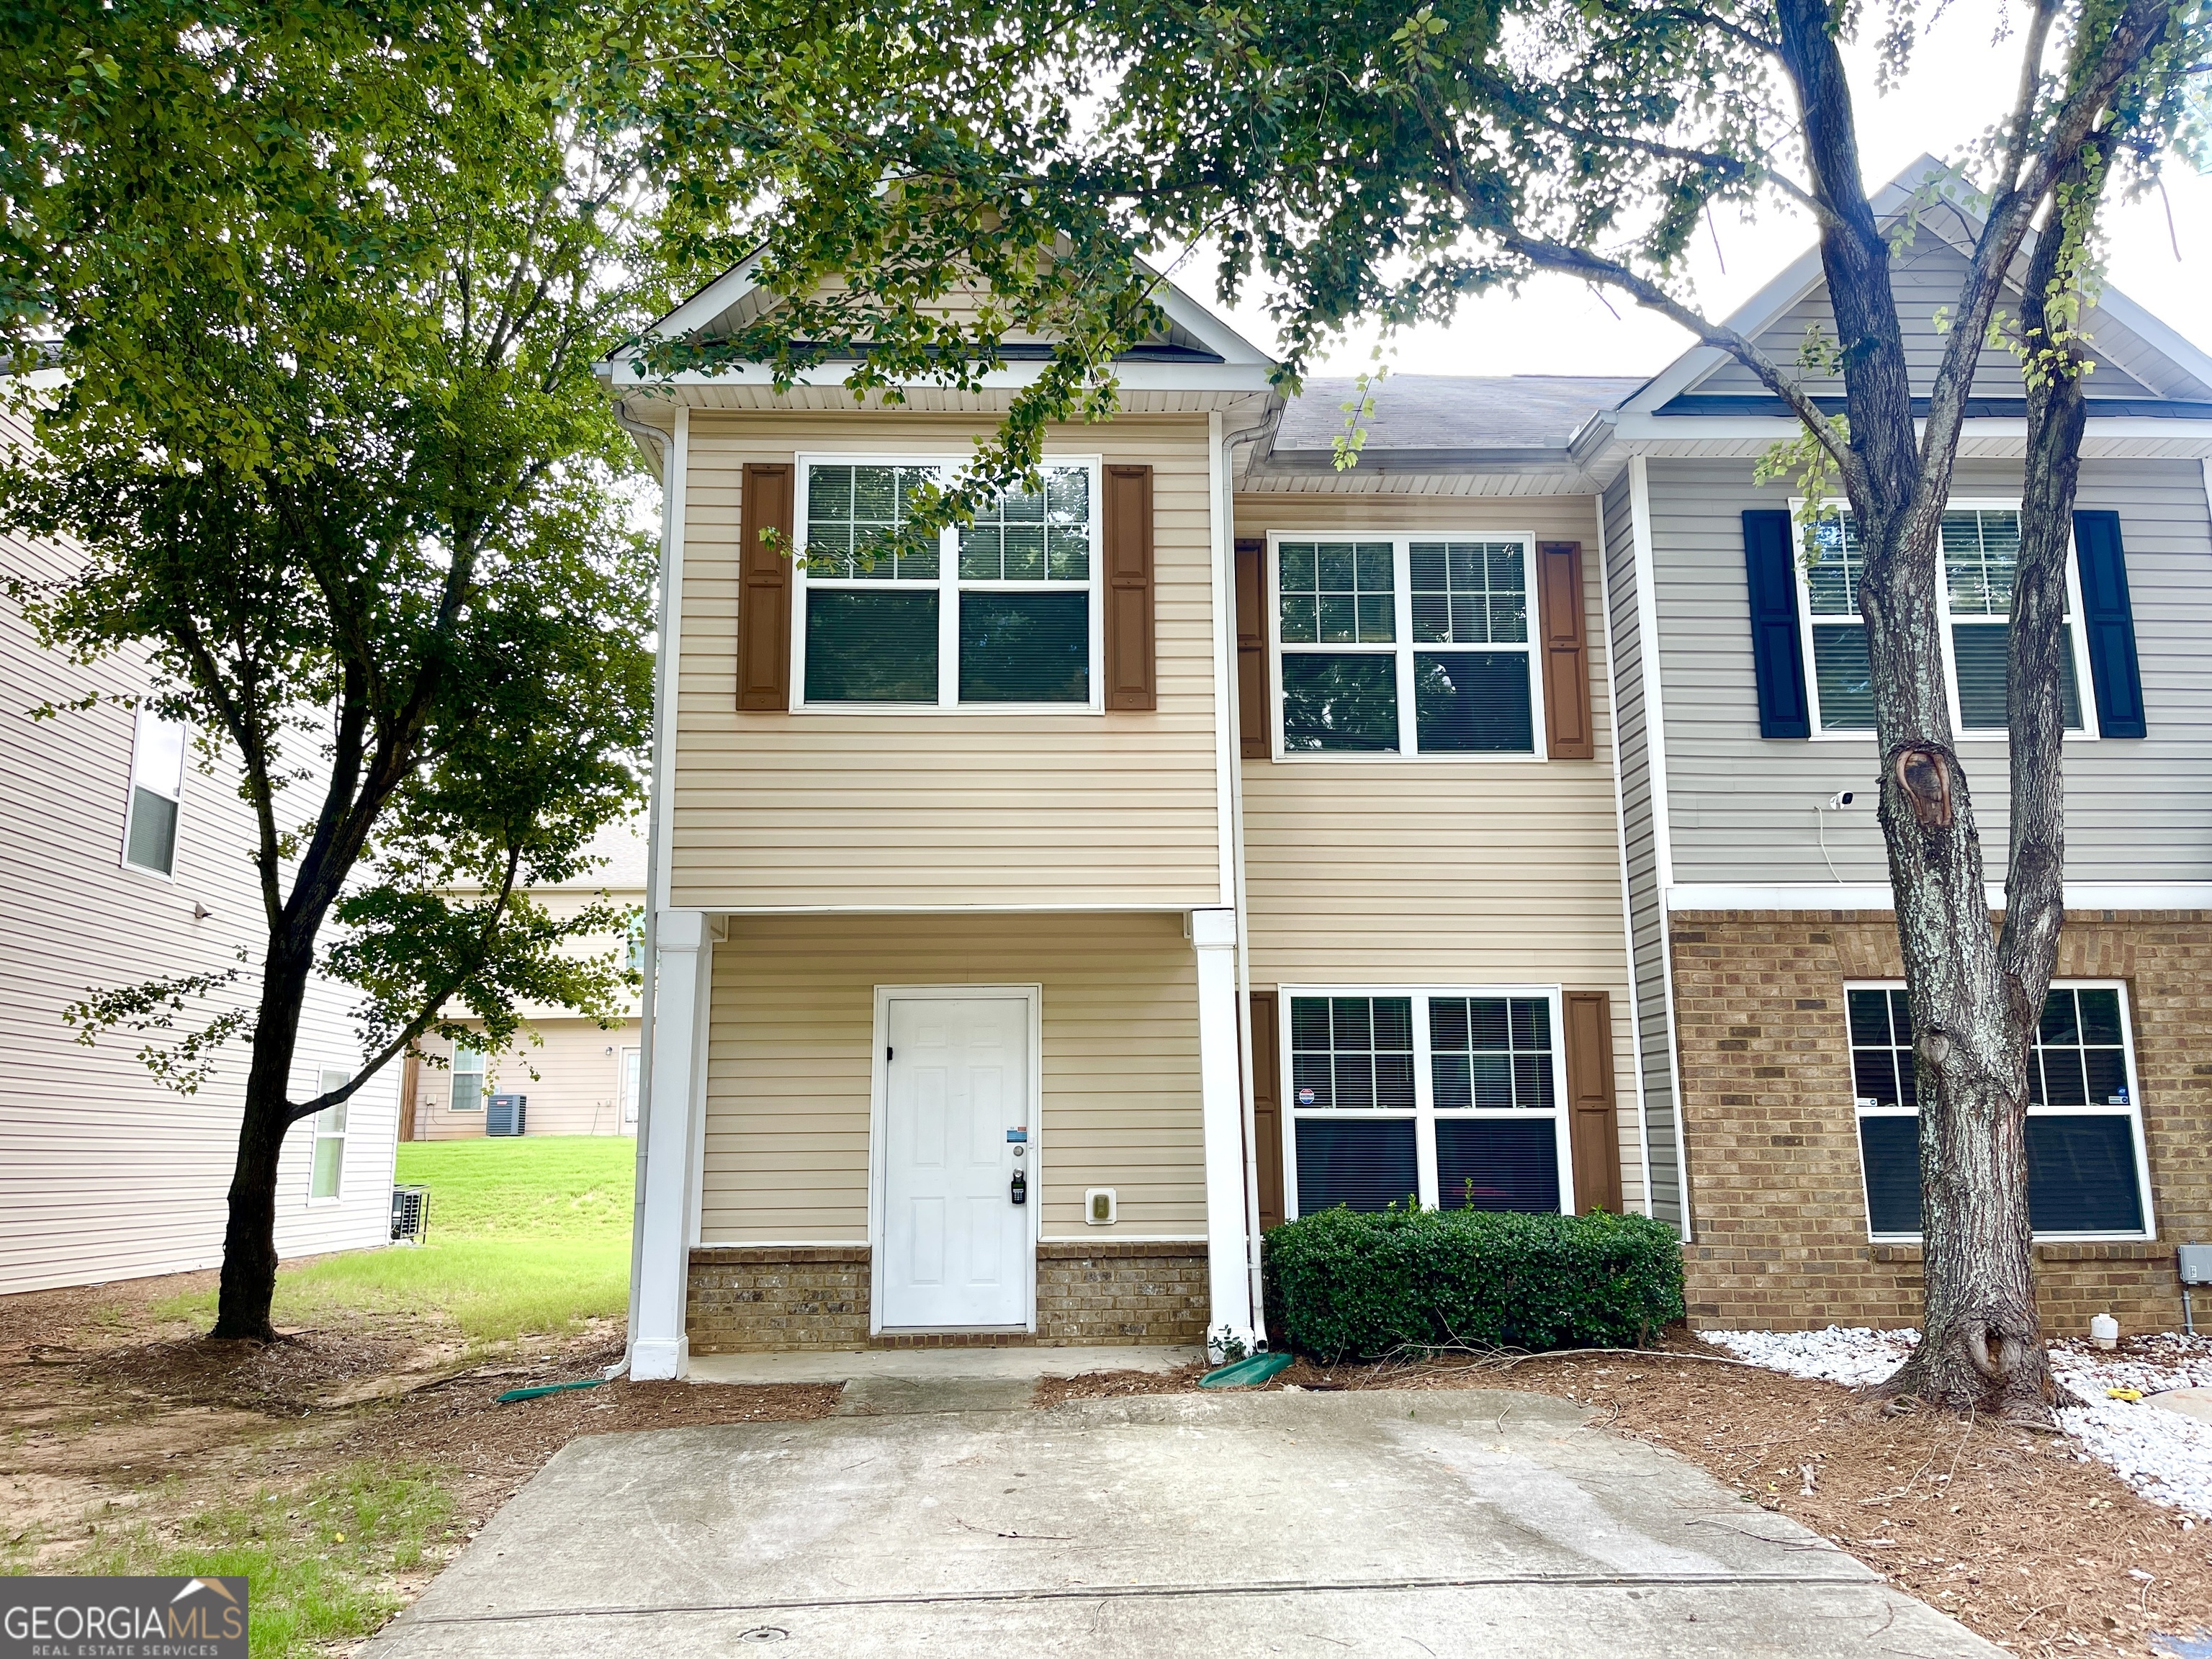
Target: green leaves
(1341,1284)
(328,283)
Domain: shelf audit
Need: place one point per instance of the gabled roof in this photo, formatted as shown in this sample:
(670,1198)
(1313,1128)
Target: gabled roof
(2126,336)
(1198,353)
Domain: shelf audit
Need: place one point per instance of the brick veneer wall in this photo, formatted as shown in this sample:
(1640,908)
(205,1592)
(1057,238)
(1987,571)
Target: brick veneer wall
(1776,1198)
(773,1298)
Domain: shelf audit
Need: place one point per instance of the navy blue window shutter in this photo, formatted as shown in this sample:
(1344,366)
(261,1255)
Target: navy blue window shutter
(1770,567)
(2110,622)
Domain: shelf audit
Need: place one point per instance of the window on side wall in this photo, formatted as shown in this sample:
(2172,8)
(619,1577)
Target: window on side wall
(1003,614)
(2086,1171)
(327,1175)
(157,790)
(468,1075)
(1981,555)
(1404,645)
(1448,1098)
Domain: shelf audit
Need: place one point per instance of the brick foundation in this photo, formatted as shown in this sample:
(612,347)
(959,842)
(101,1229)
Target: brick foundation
(772,1298)
(1776,1191)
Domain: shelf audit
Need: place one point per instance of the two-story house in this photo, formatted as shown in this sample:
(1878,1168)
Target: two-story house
(1775,1039)
(1206,837)
(1218,835)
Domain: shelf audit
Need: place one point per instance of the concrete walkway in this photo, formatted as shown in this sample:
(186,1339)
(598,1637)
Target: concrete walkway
(1438,1523)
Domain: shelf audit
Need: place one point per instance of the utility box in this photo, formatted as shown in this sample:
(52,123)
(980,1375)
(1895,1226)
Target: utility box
(504,1114)
(2195,1262)
(411,1215)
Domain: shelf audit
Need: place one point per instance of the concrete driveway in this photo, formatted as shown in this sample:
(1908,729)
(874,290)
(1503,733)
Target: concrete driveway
(1438,1523)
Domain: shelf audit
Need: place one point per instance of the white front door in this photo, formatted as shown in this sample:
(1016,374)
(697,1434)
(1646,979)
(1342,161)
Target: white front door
(955,1247)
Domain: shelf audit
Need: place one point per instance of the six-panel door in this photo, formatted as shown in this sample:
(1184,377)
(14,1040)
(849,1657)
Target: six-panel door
(954,1241)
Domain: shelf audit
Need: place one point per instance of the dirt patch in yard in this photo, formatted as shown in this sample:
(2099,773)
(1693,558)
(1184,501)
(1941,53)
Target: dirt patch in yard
(2011,1534)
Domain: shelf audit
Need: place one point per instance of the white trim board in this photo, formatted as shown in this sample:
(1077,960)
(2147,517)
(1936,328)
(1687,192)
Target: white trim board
(1876,896)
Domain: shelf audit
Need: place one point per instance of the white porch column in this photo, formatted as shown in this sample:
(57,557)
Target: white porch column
(1221,1090)
(667,1142)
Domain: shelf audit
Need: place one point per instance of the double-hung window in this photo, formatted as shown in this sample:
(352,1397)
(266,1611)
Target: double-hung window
(157,792)
(468,1076)
(1404,645)
(1002,614)
(1981,557)
(1446,1098)
(2086,1176)
(327,1172)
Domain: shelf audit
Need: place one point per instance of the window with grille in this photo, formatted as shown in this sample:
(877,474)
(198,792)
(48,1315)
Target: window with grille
(1981,557)
(1404,646)
(1446,1098)
(2086,1174)
(1002,613)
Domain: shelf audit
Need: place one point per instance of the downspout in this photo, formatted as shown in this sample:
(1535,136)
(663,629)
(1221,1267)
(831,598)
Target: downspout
(1225,510)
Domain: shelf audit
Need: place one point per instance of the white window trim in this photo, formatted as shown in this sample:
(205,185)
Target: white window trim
(2085,687)
(1402,648)
(1424,1114)
(483,1075)
(947,587)
(2132,1110)
(316,1136)
(879,1078)
(140,712)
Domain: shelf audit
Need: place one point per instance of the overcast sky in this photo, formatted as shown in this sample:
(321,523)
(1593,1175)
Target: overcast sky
(1961,82)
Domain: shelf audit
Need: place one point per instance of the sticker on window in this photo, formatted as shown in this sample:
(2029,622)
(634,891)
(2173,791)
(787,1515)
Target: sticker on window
(1306,1096)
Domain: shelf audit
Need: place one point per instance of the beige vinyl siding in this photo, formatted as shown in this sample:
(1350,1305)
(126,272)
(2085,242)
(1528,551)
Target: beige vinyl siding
(792,1047)
(105,1174)
(956,808)
(1442,873)
(576,1091)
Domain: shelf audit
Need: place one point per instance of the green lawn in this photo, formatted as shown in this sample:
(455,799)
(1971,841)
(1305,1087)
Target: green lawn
(318,1561)
(527,1236)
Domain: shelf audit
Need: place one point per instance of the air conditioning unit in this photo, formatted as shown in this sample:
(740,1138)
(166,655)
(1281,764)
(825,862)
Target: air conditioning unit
(411,1215)
(504,1113)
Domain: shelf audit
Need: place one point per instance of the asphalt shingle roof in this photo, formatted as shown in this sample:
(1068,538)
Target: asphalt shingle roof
(1454,411)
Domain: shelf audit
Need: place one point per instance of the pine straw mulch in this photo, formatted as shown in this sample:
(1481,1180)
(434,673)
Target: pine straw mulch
(2010,1533)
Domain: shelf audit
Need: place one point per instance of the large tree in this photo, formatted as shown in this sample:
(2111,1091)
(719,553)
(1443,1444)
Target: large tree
(1379,163)
(325,284)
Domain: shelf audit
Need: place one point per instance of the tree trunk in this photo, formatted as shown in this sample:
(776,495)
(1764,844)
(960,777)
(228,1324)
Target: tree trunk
(249,1241)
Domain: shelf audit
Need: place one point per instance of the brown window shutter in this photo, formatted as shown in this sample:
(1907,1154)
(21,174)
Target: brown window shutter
(1131,671)
(1594,1135)
(1567,728)
(1267,1108)
(1252,635)
(764,588)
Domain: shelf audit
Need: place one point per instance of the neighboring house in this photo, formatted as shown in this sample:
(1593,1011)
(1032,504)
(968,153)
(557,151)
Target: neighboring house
(1768,970)
(122,860)
(576,1077)
(1220,836)
(1196,841)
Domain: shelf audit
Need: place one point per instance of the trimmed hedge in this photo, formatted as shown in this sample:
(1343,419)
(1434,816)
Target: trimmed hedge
(1345,1284)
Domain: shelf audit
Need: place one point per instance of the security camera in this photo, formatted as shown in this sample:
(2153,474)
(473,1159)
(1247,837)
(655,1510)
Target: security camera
(1837,802)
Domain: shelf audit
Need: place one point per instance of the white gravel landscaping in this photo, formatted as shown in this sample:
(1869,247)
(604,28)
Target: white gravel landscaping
(2165,1456)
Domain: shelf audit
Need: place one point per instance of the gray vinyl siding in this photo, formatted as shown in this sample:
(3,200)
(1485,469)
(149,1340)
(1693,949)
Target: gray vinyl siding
(1926,279)
(1646,904)
(1742,806)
